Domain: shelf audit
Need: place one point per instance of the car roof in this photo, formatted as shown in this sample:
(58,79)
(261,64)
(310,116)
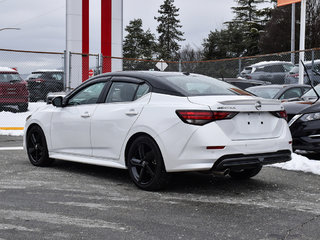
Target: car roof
(266,63)
(47,70)
(154,78)
(7,69)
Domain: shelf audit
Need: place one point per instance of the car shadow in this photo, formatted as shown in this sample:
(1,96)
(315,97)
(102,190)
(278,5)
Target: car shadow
(190,182)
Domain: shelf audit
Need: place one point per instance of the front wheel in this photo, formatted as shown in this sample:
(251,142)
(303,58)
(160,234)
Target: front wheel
(245,173)
(145,164)
(37,147)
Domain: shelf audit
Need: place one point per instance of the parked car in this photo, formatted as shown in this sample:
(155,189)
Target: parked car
(156,123)
(281,92)
(13,90)
(271,71)
(244,83)
(41,82)
(304,121)
(293,75)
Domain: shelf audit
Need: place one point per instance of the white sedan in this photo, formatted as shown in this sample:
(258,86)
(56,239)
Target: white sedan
(156,123)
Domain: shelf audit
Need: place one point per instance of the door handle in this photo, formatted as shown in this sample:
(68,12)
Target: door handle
(132,112)
(85,115)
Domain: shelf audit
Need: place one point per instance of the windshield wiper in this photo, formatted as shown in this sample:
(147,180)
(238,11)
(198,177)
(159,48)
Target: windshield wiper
(311,84)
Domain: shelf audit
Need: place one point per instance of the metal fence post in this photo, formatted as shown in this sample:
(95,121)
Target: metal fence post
(69,71)
(312,65)
(239,66)
(180,65)
(101,63)
(64,70)
(97,64)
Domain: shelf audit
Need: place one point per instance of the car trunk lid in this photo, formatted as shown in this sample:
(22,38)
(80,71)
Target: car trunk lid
(254,119)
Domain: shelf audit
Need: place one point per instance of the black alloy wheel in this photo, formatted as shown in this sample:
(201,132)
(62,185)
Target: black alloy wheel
(245,173)
(145,164)
(37,147)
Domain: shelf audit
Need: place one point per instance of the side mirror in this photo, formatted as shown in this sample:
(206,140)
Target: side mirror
(57,101)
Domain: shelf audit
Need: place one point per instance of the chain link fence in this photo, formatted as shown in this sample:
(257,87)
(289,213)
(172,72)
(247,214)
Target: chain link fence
(45,72)
(273,68)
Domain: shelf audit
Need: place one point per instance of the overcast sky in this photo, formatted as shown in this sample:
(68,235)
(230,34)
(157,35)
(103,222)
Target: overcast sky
(42,22)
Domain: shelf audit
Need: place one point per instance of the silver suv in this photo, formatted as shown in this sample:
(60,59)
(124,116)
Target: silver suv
(273,71)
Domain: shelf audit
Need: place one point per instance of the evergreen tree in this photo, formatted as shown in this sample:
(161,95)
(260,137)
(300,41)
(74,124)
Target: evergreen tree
(225,43)
(252,21)
(168,29)
(277,33)
(138,43)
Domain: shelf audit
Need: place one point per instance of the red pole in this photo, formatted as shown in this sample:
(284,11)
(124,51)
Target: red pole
(85,39)
(106,34)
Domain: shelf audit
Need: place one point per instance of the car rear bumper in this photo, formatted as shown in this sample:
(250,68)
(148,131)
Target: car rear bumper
(205,149)
(242,161)
(13,100)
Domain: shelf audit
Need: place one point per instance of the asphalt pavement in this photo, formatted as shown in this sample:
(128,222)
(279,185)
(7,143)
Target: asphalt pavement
(79,201)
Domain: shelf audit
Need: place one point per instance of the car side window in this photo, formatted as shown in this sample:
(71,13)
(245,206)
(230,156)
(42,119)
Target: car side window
(142,90)
(122,92)
(260,69)
(57,77)
(88,95)
(277,68)
(291,93)
(287,67)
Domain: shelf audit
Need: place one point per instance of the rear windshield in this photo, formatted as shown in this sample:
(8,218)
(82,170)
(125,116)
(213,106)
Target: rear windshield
(9,77)
(311,92)
(198,85)
(46,75)
(264,92)
(247,70)
(294,70)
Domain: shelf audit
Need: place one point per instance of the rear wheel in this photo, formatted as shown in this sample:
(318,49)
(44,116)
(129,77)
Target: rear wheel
(145,164)
(37,147)
(245,173)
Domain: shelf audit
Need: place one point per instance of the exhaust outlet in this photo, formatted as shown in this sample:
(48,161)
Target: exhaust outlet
(220,173)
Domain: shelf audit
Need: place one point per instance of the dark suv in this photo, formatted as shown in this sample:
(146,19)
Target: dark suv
(41,82)
(13,90)
(272,71)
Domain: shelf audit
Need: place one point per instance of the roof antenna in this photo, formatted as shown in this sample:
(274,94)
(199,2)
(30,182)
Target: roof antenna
(305,69)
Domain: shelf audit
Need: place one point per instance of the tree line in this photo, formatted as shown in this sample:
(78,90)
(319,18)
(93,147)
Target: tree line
(258,27)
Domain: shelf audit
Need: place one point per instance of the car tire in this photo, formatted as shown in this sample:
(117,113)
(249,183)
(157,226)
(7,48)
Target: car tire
(23,107)
(145,164)
(245,173)
(37,149)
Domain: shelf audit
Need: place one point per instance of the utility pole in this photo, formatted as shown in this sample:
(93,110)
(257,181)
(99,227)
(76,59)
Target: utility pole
(302,39)
(293,30)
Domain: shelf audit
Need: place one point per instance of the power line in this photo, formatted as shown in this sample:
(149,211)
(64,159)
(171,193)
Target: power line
(41,15)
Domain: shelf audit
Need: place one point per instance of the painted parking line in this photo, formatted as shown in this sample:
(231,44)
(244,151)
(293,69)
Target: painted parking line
(11,128)
(10,148)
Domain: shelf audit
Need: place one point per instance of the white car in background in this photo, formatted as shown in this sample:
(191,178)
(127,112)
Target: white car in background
(156,123)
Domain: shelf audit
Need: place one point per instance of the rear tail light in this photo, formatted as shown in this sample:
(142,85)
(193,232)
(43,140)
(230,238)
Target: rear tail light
(295,75)
(281,114)
(199,117)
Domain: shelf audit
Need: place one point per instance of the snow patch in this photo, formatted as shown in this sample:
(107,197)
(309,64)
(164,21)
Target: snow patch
(13,119)
(300,163)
